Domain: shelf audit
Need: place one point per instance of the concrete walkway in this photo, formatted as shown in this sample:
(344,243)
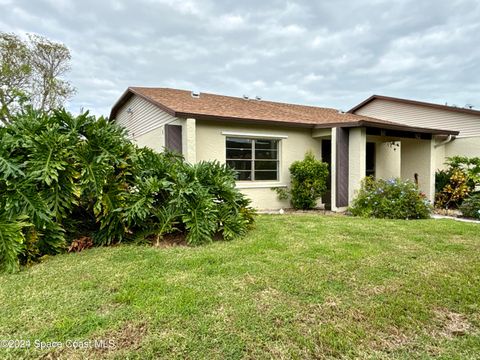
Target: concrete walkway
(436,216)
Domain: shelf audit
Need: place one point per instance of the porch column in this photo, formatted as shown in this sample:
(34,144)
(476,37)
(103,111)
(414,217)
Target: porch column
(356,160)
(189,141)
(418,157)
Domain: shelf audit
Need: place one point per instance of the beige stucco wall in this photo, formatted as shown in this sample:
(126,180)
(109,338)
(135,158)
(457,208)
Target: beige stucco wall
(418,156)
(464,147)
(154,139)
(387,159)
(387,156)
(440,156)
(210,145)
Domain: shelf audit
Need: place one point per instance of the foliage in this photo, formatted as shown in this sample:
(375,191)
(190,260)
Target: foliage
(457,181)
(471,166)
(11,241)
(31,73)
(391,199)
(73,177)
(455,191)
(471,207)
(309,182)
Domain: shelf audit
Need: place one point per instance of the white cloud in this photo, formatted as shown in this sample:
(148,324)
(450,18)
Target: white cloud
(325,53)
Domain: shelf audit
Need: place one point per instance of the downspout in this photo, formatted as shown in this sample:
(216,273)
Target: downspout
(446,141)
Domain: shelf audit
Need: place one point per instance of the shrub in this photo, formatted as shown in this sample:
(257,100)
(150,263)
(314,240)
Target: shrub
(64,177)
(471,167)
(471,207)
(309,182)
(455,183)
(390,199)
(454,191)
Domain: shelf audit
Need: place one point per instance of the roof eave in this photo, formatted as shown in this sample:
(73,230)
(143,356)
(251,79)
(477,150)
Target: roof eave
(414,102)
(127,94)
(198,116)
(400,127)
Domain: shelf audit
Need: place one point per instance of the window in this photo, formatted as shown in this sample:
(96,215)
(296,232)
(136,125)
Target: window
(253,159)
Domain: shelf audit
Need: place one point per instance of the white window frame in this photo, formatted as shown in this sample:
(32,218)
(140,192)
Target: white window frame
(253,138)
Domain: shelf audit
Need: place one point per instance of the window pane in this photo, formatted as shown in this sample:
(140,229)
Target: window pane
(265,154)
(239,143)
(266,165)
(239,154)
(266,144)
(240,164)
(265,175)
(243,175)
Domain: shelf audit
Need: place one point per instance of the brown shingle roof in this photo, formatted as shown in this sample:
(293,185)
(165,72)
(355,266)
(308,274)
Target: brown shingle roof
(181,103)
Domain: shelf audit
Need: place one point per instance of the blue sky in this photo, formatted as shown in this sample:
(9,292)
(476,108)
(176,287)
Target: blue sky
(325,53)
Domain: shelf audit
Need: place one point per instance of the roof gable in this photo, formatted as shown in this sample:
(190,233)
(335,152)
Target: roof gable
(414,102)
(181,103)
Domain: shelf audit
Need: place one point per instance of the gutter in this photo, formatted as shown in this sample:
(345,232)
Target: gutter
(450,138)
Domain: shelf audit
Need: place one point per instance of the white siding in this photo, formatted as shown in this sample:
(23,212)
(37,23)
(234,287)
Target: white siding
(144,118)
(422,116)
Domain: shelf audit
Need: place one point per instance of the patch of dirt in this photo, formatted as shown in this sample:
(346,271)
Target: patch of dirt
(128,337)
(170,240)
(291,211)
(80,244)
(452,324)
(392,340)
(448,212)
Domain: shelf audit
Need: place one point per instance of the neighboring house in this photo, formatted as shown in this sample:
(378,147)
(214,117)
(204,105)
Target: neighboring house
(260,139)
(416,113)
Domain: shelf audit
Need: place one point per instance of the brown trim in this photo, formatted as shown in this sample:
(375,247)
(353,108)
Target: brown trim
(244,120)
(342,166)
(128,94)
(389,126)
(413,102)
(154,102)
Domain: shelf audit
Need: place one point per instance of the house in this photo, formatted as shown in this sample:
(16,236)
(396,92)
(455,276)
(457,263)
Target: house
(260,139)
(417,113)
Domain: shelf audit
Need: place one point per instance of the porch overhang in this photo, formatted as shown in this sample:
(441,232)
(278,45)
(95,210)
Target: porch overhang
(388,126)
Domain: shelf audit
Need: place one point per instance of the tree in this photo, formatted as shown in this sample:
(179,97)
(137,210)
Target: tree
(31,74)
(15,73)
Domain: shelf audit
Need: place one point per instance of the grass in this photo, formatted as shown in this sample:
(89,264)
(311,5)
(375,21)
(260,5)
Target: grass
(299,286)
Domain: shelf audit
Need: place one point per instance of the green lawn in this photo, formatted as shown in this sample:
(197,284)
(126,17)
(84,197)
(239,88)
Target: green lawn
(299,286)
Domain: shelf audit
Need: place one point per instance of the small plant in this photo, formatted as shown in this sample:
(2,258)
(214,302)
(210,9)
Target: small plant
(390,199)
(309,182)
(471,207)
